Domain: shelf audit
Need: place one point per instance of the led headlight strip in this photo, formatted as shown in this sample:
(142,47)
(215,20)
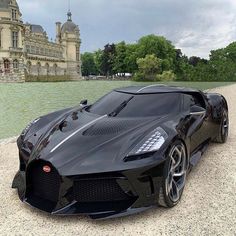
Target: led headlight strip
(151,143)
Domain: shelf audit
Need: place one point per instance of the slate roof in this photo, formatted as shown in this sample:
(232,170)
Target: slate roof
(37,29)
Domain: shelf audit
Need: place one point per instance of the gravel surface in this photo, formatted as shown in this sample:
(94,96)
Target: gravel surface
(208,205)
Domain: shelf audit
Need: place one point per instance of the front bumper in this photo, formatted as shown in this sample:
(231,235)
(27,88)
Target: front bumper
(102,195)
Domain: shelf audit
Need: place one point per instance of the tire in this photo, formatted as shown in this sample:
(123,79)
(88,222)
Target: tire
(224,128)
(174,175)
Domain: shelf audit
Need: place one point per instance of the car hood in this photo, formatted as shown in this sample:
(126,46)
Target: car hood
(83,143)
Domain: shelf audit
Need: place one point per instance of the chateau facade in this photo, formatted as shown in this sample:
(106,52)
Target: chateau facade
(26,51)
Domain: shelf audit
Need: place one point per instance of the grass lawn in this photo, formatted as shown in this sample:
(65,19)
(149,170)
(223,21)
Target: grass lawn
(21,103)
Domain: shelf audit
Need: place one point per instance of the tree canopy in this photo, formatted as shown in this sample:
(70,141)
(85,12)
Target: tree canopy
(154,57)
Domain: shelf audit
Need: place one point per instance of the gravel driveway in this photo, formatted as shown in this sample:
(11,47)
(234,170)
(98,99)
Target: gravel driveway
(208,206)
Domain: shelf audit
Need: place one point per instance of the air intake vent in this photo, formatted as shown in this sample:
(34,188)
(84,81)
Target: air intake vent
(98,190)
(42,184)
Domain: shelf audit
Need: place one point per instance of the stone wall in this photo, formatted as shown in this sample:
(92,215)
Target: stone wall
(12,75)
(35,70)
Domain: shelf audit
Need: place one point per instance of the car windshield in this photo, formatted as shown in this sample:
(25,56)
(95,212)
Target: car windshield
(141,105)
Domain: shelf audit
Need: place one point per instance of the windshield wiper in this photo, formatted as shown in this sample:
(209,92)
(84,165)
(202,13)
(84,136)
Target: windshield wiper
(120,107)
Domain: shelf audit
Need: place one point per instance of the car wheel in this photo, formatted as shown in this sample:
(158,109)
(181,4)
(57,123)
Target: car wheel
(224,128)
(174,175)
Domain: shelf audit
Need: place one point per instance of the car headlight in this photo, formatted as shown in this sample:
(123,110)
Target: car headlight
(24,132)
(151,143)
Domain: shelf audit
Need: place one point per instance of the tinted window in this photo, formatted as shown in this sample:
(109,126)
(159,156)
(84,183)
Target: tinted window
(191,100)
(139,105)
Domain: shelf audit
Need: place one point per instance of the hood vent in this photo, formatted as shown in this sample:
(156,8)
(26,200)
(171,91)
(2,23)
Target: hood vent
(111,126)
(73,121)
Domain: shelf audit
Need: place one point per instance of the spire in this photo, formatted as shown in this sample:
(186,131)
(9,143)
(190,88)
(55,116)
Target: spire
(69,12)
(69,16)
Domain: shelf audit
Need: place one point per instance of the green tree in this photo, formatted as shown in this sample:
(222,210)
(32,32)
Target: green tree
(98,60)
(131,58)
(182,66)
(88,64)
(119,63)
(148,67)
(230,52)
(222,64)
(160,47)
(135,59)
(107,59)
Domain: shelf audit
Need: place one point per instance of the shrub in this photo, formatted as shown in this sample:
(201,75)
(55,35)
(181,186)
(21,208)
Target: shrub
(166,76)
(44,78)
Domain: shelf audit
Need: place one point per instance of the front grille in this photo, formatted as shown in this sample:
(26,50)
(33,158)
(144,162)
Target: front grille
(43,185)
(98,190)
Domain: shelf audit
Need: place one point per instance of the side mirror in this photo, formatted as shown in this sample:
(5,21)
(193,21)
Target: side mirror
(84,103)
(197,110)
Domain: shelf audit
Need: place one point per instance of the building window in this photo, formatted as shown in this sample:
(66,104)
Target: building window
(39,68)
(47,68)
(77,54)
(37,50)
(32,50)
(55,68)
(15,64)
(0,37)
(6,66)
(29,67)
(14,14)
(14,39)
(27,48)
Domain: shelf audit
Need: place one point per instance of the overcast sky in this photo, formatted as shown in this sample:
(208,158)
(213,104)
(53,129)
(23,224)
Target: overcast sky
(195,26)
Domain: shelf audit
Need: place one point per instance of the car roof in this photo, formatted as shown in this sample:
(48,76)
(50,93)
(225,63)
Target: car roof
(155,88)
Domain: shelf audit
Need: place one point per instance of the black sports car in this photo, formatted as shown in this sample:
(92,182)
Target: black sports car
(127,152)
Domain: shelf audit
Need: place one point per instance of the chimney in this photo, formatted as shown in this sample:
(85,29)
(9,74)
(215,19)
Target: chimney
(58,32)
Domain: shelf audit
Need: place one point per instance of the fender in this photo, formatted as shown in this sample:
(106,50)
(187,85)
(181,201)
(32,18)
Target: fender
(217,103)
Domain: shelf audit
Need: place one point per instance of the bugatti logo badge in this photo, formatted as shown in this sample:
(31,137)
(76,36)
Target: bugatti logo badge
(47,169)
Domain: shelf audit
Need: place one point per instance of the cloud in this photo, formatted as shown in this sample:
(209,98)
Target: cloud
(196,27)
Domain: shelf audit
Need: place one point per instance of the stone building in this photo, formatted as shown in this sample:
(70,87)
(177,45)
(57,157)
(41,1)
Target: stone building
(25,49)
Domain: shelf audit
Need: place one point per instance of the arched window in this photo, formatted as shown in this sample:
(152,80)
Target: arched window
(47,68)
(78,69)
(39,68)
(29,67)
(6,63)
(15,64)
(55,68)
(0,37)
